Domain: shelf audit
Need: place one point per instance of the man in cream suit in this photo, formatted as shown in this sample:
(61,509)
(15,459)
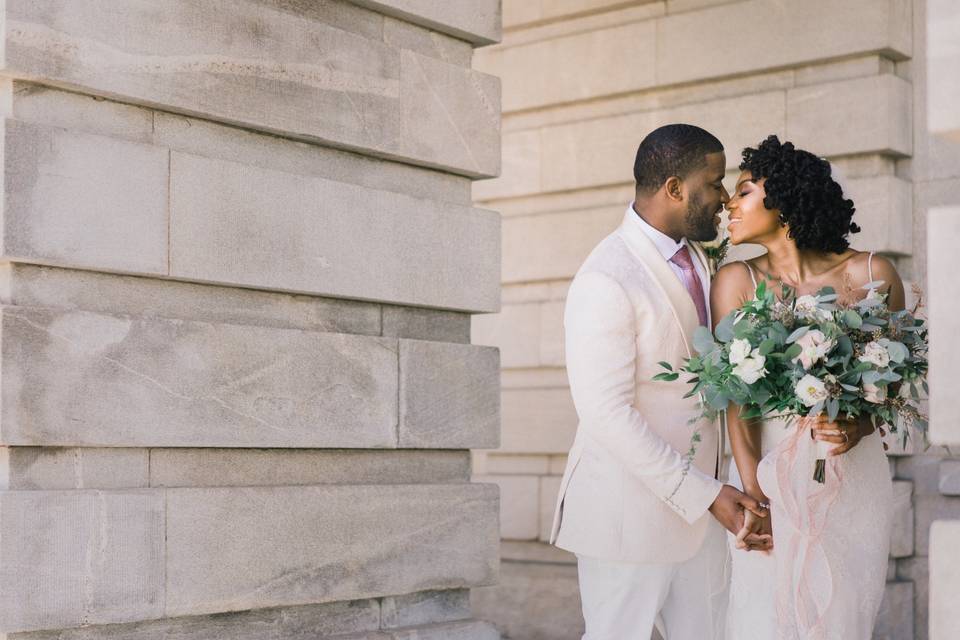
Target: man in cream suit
(641,508)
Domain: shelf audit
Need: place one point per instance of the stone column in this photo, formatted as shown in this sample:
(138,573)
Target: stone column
(237,390)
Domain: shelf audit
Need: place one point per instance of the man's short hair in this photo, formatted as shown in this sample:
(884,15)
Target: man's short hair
(672,150)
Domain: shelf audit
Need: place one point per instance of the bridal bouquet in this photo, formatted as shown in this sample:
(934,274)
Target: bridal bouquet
(806,355)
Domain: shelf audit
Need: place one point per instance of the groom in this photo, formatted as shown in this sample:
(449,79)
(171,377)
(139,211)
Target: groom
(643,509)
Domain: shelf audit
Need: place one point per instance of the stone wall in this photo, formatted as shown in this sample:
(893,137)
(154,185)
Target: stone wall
(239,258)
(583,82)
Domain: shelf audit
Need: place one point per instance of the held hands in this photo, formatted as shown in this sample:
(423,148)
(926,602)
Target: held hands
(729,509)
(756,534)
(844,432)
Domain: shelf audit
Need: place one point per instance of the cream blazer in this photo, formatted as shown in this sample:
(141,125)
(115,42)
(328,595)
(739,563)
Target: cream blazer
(631,491)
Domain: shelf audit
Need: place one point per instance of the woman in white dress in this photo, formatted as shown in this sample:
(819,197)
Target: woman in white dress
(824,575)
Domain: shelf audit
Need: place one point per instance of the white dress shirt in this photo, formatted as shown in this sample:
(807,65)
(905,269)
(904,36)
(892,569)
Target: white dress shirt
(667,248)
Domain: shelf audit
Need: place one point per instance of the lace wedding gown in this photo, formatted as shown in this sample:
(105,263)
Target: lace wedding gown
(825,576)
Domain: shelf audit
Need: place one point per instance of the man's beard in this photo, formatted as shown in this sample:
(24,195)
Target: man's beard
(699,221)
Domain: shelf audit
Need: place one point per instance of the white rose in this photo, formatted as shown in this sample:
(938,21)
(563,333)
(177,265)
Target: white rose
(739,351)
(814,346)
(810,390)
(873,393)
(875,353)
(751,369)
(805,308)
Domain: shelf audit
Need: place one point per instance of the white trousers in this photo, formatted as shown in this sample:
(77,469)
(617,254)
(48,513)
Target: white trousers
(685,600)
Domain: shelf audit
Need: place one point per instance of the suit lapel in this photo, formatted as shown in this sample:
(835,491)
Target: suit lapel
(681,304)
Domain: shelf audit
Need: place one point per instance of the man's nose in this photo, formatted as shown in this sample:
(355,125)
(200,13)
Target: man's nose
(724,196)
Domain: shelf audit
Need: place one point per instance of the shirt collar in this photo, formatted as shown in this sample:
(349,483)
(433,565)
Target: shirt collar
(664,243)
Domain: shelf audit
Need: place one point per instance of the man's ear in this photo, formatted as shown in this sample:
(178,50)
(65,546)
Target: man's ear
(674,188)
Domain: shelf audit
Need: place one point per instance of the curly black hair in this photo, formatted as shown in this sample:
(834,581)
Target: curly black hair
(800,186)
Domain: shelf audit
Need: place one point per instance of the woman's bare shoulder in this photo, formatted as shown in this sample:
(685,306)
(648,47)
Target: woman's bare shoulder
(732,283)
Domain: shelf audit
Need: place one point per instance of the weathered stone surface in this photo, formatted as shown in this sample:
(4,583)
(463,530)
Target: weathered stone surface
(230,221)
(927,510)
(286,623)
(406,35)
(327,544)
(943,233)
(688,49)
(538,420)
(52,214)
(901,537)
(69,558)
(29,285)
(884,212)
(473,20)
(109,380)
(950,477)
(515,331)
(866,115)
(510,464)
(944,578)
(273,467)
(48,468)
(425,324)
(427,607)
(895,620)
(449,395)
(519,497)
(466,630)
(338,87)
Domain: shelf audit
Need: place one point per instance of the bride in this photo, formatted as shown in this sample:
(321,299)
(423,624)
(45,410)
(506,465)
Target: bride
(823,570)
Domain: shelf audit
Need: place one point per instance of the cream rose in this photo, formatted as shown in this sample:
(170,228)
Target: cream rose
(876,354)
(814,346)
(875,394)
(805,308)
(739,351)
(751,369)
(810,390)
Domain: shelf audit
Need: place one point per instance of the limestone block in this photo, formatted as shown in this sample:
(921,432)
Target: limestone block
(515,331)
(549,490)
(80,557)
(29,285)
(680,6)
(558,465)
(521,167)
(554,245)
(339,88)
(510,464)
(449,396)
(575,67)
(929,509)
(406,35)
(861,66)
(943,233)
(31,468)
(110,380)
(426,607)
(895,620)
(466,630)
(884,212)
(923,470)
(230,222)
(538,420)
(688,49)
(274,467)
(866,115)
(535,552)
(475,21)
(284,623)
(943,84)
(552,346)
(327,543)
(52,214)
(944,580)
(950,477)
(425,324)
(519,497)
(901,536)
(597,152)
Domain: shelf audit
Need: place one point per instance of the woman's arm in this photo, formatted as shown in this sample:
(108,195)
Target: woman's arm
(731,287)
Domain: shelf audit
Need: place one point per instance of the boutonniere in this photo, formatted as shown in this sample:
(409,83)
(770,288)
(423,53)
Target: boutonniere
(716,252)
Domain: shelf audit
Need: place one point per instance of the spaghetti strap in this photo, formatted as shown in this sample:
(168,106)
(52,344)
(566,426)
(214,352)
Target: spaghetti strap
(750,269)
(870,267)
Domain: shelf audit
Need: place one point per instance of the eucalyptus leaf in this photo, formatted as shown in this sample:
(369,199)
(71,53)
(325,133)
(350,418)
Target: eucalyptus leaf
(897,350)
(876,284)
(852,319)
(666,377)
(767,346)
(833,408)
(793,351)
(716,398)
(724,328)
(871,377)
(703,341)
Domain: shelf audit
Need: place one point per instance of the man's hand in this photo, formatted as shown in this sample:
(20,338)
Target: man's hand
(756,535)
(729,506)
(844,432)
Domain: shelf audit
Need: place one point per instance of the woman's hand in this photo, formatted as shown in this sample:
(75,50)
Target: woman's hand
(845,432)
(756,534)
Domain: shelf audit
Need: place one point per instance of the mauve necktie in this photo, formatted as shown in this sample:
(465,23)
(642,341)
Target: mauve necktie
(691,281)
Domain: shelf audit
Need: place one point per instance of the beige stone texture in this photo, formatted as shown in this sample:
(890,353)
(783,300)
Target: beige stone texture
(282,467)
(884,207)
(126,381)
(519,496)
(427,607)
(901,537)
(949,480)
(943,234)
(448,396)
(944,578)
(49,468)
(338,543)
(477,21)
(513,464)
(537,420)
(515,331)
(549,490)
(895,619)
(425,324)
(69,558)
(339,87)
(943,59)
